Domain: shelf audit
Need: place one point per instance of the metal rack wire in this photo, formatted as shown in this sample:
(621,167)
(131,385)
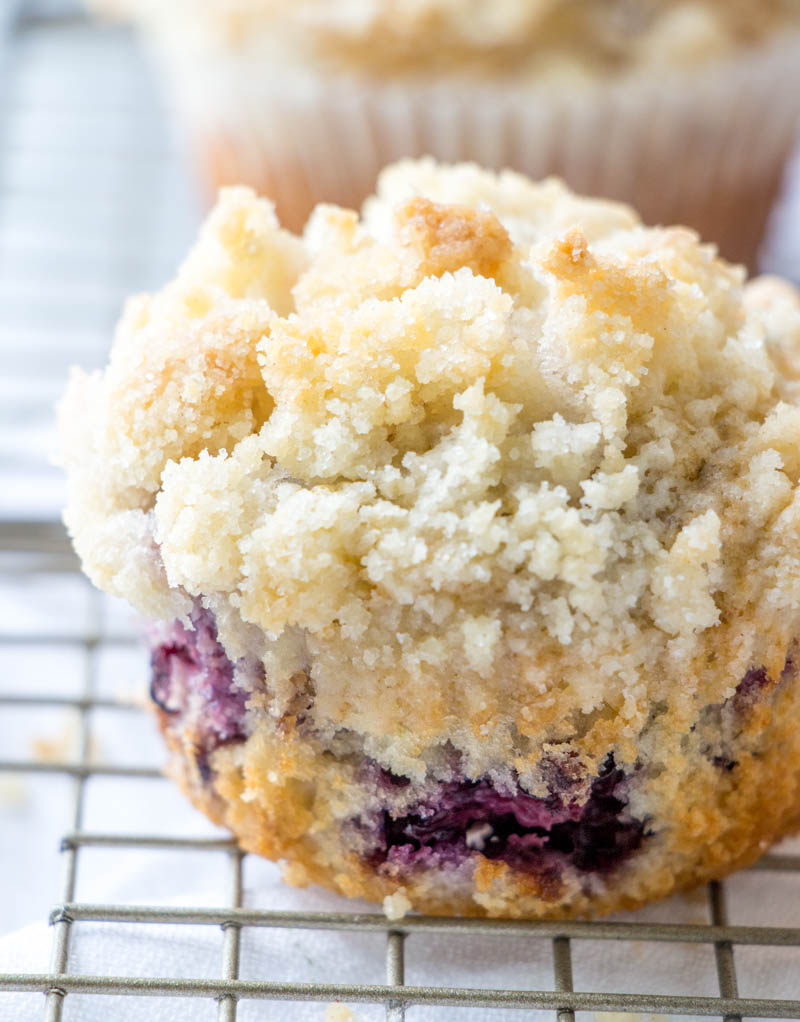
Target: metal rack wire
(120,252)
(37,547)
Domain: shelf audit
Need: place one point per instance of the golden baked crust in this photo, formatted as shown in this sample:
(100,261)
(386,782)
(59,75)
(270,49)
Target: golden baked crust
(284,802)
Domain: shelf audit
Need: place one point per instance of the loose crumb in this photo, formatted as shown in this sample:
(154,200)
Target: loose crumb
(397,905)
(338,1012)
(14,793)
(58,746)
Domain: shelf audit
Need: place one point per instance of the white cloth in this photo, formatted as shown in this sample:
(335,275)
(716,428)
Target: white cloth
(341,957)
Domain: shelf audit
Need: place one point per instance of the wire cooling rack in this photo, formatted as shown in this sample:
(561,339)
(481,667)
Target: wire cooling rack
(31,549)
(94,205)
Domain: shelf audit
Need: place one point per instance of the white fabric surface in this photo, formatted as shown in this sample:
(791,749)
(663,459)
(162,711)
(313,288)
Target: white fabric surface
(333,957)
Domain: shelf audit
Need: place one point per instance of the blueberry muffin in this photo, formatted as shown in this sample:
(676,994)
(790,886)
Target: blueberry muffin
(686,108)
(470,526)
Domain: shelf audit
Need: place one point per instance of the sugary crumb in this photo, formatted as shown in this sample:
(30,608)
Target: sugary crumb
(442,458)
(14,793)
(397,905)
(338,1012)
(58,746)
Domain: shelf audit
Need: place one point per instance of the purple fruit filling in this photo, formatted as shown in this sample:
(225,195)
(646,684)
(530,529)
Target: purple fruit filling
(192,681)
(756,682)
(537,835)
(727,716)
(751,687)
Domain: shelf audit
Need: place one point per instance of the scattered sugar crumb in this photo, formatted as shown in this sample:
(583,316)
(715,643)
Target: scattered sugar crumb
(396,905)
(338,1012)
(57,746)
(13,792)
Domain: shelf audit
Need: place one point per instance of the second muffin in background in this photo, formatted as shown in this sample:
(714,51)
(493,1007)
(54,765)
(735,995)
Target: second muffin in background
(684,108)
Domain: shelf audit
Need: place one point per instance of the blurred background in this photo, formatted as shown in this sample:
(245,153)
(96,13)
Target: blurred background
(95,204)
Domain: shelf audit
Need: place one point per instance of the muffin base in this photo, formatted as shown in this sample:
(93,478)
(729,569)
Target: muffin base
(707,816)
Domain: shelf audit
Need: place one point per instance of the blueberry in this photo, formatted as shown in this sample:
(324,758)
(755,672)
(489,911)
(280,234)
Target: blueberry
(537,835)
(192,663)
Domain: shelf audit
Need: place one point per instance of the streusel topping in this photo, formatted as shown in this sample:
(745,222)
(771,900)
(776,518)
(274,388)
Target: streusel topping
(493,464)
(410,36)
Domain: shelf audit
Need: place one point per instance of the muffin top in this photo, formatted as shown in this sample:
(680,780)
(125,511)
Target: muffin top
(492,464)
(535,36)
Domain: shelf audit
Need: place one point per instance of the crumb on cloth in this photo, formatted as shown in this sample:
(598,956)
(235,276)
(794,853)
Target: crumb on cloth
(338,1012)
(397,905)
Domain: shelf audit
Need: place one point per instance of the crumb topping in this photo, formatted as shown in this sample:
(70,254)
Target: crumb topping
(450,237)
(550,38)
(493,464)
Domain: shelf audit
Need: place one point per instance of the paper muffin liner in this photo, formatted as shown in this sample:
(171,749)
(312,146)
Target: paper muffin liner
(780,250)
(705,147)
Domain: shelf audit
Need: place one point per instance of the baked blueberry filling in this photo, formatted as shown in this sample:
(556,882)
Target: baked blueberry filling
(752,686)
(192,681)
(193,684)
(727,717)
(538,835)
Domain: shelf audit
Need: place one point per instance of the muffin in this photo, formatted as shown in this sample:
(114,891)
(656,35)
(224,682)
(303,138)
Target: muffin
(685,108)
(471,531)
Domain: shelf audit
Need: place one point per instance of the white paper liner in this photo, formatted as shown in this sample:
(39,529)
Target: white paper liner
(780,251)
(705,147)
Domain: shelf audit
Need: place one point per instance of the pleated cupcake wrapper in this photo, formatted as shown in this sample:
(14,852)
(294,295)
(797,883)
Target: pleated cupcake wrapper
(705,148)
